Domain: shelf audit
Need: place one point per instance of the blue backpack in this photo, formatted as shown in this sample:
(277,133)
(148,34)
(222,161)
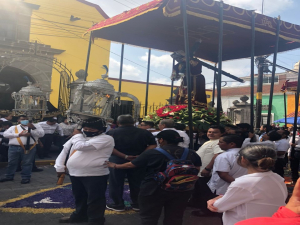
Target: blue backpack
(180,174)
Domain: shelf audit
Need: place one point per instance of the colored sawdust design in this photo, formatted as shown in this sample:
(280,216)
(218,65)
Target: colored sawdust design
(54,200)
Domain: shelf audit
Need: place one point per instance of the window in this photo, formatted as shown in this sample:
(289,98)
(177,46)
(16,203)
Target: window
(264,118)
(267,79)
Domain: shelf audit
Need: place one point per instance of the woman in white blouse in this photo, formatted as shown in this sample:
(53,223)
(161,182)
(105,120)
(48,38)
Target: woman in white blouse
(258,194)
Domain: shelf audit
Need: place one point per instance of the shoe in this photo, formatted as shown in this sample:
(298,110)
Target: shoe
(6,179)
(135,207)
(37,169)
(25,181)
(200,213)
(115,207)
(68,219)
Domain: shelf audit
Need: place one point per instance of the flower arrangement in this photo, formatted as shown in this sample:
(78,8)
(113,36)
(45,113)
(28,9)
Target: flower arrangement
(202,117)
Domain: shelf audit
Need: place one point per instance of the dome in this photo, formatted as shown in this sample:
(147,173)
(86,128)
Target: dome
(31,90)
(296,66)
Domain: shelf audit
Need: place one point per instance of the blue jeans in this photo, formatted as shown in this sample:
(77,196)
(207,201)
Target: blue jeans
(15,155)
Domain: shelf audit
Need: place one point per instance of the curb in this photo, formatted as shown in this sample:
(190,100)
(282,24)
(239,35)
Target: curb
(38,163)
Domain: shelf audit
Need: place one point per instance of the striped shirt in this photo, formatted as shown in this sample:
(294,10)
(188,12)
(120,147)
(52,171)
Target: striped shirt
(50,129)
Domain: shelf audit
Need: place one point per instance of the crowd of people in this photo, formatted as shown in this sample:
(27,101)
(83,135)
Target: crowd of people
(231,173)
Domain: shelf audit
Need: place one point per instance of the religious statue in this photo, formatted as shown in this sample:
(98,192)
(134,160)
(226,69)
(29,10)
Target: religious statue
(197,79)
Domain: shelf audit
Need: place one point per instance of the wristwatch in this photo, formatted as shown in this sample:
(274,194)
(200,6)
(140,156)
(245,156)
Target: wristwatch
(207,169)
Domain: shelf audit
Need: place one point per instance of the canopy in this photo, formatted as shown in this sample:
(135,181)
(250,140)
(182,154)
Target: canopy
(158,25)
(289,86)
(289,120)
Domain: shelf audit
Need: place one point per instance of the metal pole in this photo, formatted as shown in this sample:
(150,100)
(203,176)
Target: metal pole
(172,85)
(86,71)
(219,103)
(147,85)
(252,71)
(214,87)
(285,120)
(121,69)
(273,74)
(188,74)
(259,92)
(296,115)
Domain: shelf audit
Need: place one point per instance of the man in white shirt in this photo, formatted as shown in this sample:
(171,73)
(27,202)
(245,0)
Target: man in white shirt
(19,136)
(6,117)
(87,152)
(282,146)
(226,168)
(169,124)
(207,152)
(50,127)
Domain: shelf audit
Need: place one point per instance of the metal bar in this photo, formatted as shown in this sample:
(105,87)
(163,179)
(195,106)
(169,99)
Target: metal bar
(86,71)
(252,71)
(273,74)
(284,100)
(223,72)
(121,69)
(296,115)
(214,87)
(147,84)
(172,84)
(259,93)
(219,103)
(188,74)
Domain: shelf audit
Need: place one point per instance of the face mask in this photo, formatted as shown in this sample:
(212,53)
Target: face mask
(91,134)
(24,122)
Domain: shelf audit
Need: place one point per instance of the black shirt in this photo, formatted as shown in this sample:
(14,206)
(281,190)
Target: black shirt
(157,162)
(131,140)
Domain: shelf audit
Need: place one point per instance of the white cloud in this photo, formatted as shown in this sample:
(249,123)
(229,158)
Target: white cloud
(163,61)
(130,72)
(270,6)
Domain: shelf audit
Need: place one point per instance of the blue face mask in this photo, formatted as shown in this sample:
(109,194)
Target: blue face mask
(24,122)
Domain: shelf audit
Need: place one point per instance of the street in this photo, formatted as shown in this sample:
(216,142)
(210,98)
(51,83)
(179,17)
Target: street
(42,202)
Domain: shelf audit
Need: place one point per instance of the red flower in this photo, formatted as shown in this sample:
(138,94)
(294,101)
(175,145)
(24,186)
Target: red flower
(206,108)
(210,114)
(172,109)
(177,117)
(151,117)
(171,117)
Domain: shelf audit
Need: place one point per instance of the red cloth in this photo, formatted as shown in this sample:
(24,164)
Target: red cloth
(283,216)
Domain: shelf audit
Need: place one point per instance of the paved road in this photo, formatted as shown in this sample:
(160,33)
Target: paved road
(47,179)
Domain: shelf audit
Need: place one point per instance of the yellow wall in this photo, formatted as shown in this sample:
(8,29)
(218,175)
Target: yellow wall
(291,104)
(158,94)
(57,13)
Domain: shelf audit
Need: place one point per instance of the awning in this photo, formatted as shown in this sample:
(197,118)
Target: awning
(289,86)
(158,25)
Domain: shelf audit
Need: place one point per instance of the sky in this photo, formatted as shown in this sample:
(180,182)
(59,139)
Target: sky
(135,58)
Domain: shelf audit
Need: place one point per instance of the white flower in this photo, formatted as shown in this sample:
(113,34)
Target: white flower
(171,114)
(202,120)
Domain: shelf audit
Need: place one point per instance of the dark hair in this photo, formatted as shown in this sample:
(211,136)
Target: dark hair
(259,156)
(169,123)
(95,124)
(171,136)
(180,126)
(286,132)
(231,126)
(125,120)
(7,123)
(274,136)
(244,125)
(237,139)
(22,116)
(148,123)
(221,129)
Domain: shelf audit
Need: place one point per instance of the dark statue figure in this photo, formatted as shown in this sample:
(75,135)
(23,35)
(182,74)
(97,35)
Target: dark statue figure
(197,79)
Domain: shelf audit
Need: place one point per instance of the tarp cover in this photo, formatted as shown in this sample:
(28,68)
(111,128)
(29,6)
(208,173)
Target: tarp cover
(158,25)
(289,86)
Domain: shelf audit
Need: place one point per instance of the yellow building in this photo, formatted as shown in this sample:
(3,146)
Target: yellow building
(42,41)
(62,24)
